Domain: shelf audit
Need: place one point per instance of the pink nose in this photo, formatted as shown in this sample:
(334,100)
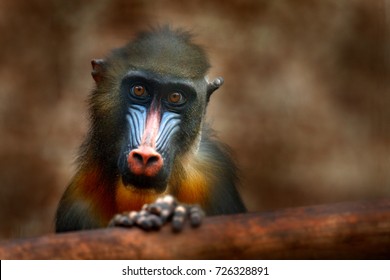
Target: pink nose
(145,161)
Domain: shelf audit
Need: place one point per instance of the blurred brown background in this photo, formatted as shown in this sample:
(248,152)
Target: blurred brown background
(305,105)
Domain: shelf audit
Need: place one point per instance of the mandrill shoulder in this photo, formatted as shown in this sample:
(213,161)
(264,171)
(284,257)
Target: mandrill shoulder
(209,178)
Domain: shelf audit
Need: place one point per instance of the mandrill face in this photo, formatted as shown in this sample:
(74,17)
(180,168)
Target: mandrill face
(159,113)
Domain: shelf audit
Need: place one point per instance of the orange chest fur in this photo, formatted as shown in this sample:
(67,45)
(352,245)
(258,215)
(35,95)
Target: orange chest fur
(108,197)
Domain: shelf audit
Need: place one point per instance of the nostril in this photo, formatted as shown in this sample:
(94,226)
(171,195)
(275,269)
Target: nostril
(138,157)
(145,159)
(152,160)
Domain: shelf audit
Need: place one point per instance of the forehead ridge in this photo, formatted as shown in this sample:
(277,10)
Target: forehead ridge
(166,52)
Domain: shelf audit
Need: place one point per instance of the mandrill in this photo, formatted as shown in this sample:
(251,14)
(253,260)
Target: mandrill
(149,156)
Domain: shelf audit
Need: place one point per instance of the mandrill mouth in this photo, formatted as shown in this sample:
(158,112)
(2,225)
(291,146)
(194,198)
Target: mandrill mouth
(140,182)
(144,168)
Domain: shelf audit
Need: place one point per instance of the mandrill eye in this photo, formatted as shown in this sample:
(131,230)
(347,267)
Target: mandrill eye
(176,98)
(139,91)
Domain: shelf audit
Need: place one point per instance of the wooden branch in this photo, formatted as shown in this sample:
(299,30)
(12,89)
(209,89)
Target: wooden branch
(358,230)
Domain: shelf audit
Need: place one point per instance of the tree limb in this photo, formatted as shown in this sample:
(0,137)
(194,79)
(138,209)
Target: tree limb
(353,230)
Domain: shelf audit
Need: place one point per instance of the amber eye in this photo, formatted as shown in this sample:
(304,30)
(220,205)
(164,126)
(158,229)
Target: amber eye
(138,90)
(176,98)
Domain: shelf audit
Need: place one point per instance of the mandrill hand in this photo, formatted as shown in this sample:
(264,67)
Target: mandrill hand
(153,216)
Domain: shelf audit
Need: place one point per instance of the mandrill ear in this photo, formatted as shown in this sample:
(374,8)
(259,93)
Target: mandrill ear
(98,69)
(213,86)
